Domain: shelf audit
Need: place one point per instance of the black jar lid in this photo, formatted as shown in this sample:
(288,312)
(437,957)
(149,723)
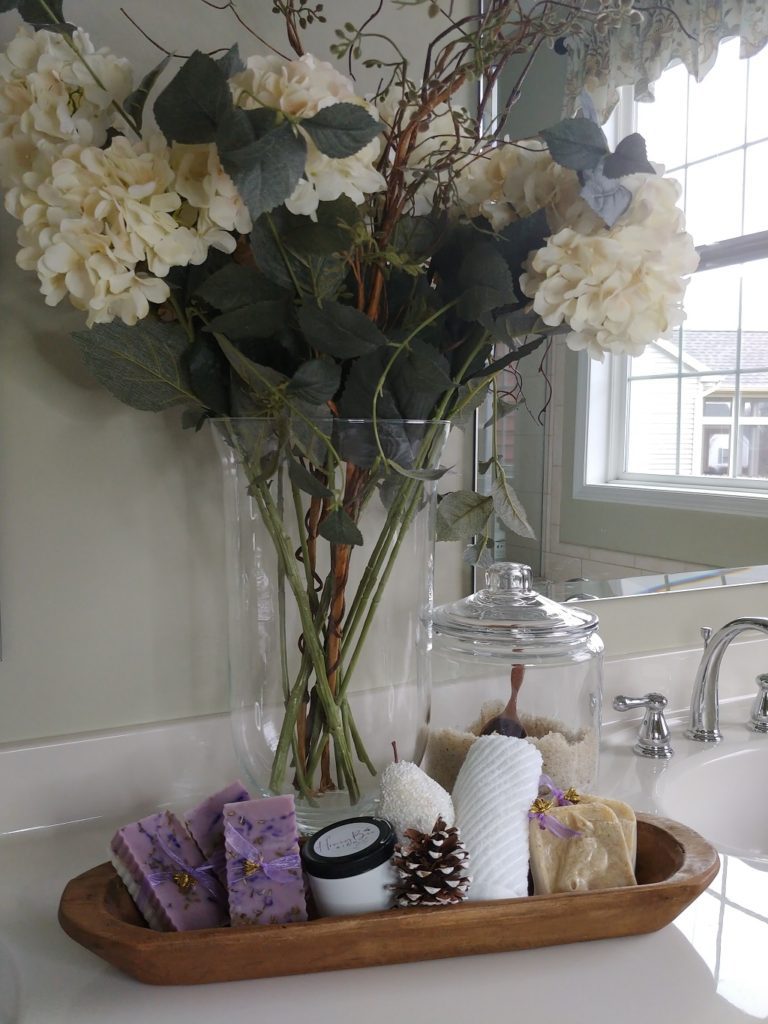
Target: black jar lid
(349,847)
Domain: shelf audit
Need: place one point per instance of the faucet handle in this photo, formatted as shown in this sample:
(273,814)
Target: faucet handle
(653,737)
(706,633)
(758,720)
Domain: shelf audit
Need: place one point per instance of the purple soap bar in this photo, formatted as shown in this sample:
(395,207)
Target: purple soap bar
(264,876)
(206,824)
(167,875)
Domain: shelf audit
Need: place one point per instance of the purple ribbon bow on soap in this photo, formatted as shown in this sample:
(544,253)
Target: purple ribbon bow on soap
(253,867)
(183,874)
(541,805)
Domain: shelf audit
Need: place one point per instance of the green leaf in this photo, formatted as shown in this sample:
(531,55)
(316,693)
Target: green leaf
(486,281)
(332,232)
(339,330)
(523,236)
(234,286)
(231,63)
(34,13)
(338,528)
(417,237)
(143,366)
(509,509)
(342,129)
(256,320)
(577,143)
(134,104)
(474,400)
(209,374)
(263,381)
(421,474)
(463,514)
(479,554)
(514,356)
(265,170)
(318,275)
(316,381)
(508,327)
(193,103)
(630,157)
(307,481)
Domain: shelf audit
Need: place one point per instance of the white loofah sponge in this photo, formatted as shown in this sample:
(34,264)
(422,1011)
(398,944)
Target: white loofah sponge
(496,786)
(410,799)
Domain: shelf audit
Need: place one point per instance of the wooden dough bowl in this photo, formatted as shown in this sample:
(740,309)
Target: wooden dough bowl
(674,865)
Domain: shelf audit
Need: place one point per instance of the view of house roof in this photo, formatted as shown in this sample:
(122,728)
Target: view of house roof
(716,350)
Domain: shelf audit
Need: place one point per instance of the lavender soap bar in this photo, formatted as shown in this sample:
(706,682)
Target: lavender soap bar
(206,824)
(167,876)
(264,876)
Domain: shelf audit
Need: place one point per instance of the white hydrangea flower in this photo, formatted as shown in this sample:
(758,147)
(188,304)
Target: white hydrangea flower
(49,99)
(514,180)
(300,88)
(617,288)
(213,206)
(99,222)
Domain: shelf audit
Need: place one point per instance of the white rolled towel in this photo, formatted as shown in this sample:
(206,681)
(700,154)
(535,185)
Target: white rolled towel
(495,788)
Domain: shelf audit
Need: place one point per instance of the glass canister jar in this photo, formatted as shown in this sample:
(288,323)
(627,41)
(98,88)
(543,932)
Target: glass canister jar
(508,660)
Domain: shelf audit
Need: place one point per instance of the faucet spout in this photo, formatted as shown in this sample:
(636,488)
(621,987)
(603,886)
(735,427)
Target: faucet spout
(705,708)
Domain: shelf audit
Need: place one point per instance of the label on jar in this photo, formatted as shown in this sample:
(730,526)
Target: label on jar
(347,839)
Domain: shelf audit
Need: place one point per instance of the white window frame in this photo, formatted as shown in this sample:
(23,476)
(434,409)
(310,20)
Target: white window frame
(601,422)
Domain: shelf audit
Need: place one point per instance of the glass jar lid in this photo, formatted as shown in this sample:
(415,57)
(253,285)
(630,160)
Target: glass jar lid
(510,611)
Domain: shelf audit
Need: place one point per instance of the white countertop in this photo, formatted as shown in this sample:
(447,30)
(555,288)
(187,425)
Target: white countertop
(709,966)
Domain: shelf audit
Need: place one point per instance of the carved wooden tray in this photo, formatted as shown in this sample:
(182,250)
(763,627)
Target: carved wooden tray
(674,865)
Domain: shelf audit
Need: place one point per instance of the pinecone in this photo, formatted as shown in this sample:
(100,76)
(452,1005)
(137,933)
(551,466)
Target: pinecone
(432,867)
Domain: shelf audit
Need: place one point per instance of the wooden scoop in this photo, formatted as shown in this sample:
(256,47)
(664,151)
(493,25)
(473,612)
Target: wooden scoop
(507,723)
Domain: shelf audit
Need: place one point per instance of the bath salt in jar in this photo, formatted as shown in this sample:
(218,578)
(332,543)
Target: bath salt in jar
(508,660)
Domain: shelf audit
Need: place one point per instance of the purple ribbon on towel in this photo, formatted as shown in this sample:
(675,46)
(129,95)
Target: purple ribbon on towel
(253,866)
(183,874)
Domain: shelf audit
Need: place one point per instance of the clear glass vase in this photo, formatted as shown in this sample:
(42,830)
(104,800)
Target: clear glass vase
(330,551)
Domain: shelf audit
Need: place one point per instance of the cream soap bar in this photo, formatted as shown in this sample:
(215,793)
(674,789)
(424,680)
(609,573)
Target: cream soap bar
(264,877)
(205,823)
(167,875)
(597,858)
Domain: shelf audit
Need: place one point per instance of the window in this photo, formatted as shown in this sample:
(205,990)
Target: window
(689,415)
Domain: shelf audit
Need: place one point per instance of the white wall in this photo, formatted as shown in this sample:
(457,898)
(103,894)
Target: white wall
(112,598)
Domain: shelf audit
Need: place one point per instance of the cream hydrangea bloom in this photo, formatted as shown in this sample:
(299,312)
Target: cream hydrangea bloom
(48,99)
(514,180)
(107,225)
(617,288)
(300,88)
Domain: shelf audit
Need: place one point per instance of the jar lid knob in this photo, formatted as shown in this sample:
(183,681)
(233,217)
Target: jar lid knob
(509,576)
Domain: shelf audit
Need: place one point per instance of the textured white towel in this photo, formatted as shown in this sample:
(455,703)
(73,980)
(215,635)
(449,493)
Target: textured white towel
(496,786)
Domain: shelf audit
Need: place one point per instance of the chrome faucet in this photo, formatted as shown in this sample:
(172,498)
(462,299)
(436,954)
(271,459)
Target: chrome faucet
(705,711)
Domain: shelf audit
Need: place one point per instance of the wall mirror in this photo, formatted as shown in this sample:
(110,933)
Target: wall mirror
(681,432)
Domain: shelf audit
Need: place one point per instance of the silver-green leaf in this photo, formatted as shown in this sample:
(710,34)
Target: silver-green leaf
(463,514)
(509,508)
(143,366)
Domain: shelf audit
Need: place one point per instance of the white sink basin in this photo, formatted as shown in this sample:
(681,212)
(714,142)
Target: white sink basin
(721,794)
(718,790)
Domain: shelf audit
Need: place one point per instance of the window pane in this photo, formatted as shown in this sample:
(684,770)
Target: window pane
(717,106)
(755,206)
(754,451)
(712,320)
(652,426)
(660,359)
(754,407)
(713,201)
(662,123)
(716,451)
(718,407)
(757,111)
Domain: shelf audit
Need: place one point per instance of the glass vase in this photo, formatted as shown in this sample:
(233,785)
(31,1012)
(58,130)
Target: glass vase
(330,552)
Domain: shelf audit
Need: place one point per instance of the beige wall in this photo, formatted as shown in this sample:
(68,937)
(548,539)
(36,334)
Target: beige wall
(111,570)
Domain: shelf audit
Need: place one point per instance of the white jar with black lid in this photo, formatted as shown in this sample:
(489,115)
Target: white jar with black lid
(349,867)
